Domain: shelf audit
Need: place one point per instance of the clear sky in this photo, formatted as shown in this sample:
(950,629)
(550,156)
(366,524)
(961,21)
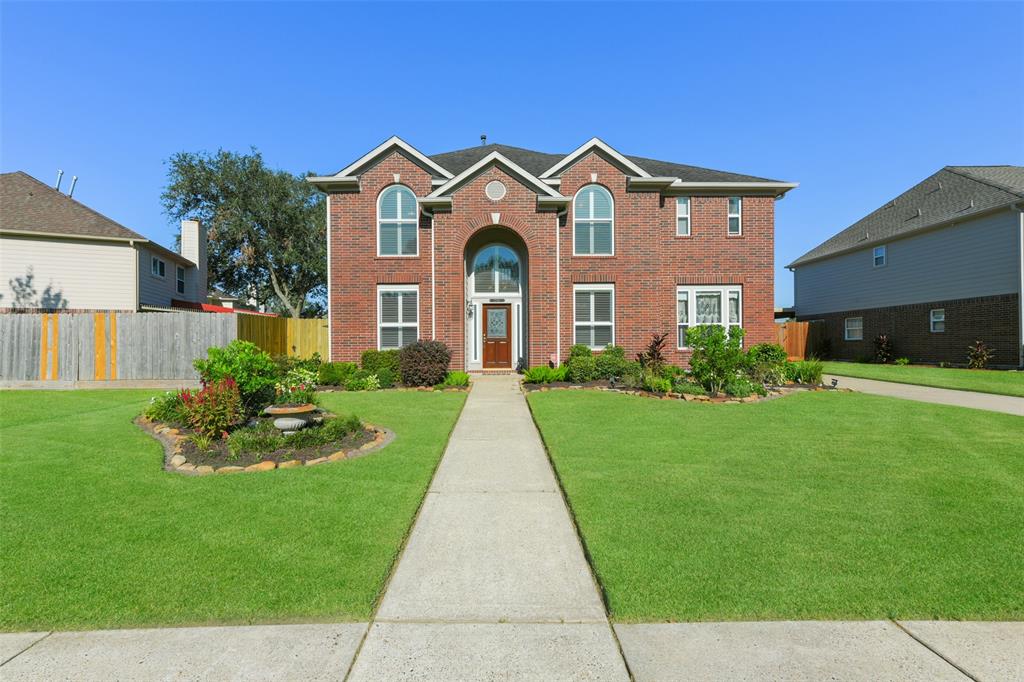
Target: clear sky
(856,101)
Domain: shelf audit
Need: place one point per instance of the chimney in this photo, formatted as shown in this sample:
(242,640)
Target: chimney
(193,247)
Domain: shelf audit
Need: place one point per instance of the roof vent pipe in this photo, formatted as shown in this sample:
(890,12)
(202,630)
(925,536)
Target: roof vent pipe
(483,139)
(60,174)
(74,181)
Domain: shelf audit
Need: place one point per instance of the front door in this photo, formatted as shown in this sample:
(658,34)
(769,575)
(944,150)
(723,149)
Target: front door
(497,325)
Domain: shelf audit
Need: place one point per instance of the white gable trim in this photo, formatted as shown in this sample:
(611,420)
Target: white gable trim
(494,158)
(590,145)
(388,145)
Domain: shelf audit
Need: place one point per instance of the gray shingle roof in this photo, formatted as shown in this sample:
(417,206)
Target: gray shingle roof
(538,162)
(954,192)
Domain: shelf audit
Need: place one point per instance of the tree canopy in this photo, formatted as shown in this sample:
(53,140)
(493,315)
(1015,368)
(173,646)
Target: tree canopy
(266,228)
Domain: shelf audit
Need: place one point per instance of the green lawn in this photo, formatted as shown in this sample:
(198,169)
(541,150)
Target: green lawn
(982,380)
(817,505)
(95,535)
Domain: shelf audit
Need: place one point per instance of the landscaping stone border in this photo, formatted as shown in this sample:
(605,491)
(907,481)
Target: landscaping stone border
(422,389)
(172,438)
(774,392)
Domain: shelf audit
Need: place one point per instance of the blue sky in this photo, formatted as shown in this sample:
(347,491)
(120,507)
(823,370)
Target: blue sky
(856,101)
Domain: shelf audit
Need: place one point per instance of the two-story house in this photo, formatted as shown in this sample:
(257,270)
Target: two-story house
(936,269)
(510,256)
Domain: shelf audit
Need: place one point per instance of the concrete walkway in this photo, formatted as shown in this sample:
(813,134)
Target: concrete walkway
(943,396)
(493,582)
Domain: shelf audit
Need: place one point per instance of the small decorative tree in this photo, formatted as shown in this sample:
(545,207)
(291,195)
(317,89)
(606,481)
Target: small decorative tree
(979,355)
(883,349)
(717,356)
(652,358)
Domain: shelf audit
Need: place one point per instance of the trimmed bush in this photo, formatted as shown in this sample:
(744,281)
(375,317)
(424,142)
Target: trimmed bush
(611,363)
(336,373)
(717,356)
(376,360)
(766,363)
(580,350)
(385,377)
(253,371)
(424,363)
(687,387)
(581,369)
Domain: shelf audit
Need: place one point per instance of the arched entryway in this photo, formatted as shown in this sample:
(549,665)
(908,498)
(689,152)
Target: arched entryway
(496,295)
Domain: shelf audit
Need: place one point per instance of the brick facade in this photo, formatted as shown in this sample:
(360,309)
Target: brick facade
(649,260)
(992,319)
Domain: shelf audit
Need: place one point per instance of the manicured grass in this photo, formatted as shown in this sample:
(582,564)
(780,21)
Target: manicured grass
(814,506)
(982,380)
(95,535)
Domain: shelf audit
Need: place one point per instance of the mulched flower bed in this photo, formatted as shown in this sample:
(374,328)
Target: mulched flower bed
(449,389)
(220,455)
(605,385)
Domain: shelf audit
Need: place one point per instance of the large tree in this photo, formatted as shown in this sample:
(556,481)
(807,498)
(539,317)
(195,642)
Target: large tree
(266,228)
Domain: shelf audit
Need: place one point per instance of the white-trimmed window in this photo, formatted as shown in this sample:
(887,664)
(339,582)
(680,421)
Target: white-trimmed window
(179,279)
(593,222)
(696,305)
(853,329)
(157,267)
(496,270)
(682,216)
(937,320)
(594,315)
(397,222)
(735,216)
(397,315)
(878,256)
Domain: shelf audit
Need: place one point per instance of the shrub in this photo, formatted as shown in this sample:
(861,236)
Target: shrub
(656,383)
(581,369)
(376,360)
(214,409)
(335,373)
(979,355)
(806,372)
(261,438)
(424,363)
(632,376)
(538,375)
(288,363)
(883,349)
(362,380)
(580,350)
(253,371)
(456,380)
(902,362)
(385,377)
(742,387)
(685,386)
(168,408)
(766,363)
(297,387)
(611,362)
(652,358)
(717,356)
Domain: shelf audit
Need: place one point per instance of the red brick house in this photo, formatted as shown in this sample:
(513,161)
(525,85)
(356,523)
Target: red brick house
(509,255)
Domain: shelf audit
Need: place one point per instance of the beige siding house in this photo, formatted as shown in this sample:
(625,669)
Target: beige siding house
(58,254)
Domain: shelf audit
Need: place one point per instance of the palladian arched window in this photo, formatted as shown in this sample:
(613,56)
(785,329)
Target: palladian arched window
(496,271)
(397,222)
(593,222)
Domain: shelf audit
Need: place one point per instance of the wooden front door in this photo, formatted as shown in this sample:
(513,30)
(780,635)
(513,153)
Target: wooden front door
(497,324)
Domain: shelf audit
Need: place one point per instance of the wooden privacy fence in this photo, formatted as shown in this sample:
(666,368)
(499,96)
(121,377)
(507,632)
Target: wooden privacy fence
(112,346)
(800,339)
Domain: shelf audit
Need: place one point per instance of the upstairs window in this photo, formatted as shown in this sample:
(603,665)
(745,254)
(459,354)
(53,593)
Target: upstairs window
(157,267)
(397,316)
(594,315)
(735,216)
(593,222)
(397,222)
(179,276)
(878,256)
(682,216)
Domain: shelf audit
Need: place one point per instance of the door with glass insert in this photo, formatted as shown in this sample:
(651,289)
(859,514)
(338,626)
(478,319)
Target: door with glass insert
(497,336)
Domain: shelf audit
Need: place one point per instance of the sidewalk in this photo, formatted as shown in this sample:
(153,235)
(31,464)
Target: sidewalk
(943,396)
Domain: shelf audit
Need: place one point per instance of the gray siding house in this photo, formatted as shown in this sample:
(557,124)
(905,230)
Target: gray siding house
(937,268)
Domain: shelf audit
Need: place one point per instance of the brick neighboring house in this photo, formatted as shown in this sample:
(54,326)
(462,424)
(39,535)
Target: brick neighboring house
(936,268)
(510,256)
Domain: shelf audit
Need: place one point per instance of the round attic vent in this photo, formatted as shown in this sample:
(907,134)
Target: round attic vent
(495,190)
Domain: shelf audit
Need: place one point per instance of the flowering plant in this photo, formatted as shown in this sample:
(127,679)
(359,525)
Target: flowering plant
(214,409)
(297,388)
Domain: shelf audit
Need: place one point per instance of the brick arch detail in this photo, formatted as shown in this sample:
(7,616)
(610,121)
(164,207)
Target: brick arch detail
(525,230)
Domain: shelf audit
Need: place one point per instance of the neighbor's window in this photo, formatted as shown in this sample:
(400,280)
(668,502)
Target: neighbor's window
(593,222)
(397,316)
(397,222)
(179,275)
(735,215)
(937,319)
(594,315)
(721,305)
(682,216)
(157,267)
(878,256)
(854,329)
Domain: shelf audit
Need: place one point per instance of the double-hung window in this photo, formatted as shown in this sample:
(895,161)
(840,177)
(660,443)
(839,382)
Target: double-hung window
(157,267)
(937,320)
(397,222)
(878,256)
(397,315)
(697,305)
(594,315)
(853,329)
(179,277)
(593,222)
(682,216)
(735,216)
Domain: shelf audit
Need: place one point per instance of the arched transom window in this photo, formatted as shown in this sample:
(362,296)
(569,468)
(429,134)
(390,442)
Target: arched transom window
(593,222)
(397,222)
(496,271)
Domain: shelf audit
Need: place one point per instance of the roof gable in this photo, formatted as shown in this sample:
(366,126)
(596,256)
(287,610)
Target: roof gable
(495,158)
(595,145)
(392,144)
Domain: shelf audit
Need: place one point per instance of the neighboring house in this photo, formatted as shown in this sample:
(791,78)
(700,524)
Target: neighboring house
(57,253)
(510,256)
(937,268)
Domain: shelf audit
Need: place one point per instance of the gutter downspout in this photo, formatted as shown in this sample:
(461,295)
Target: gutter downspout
(135,268)
(330,271)
(558,294)
(433,281)
(1020,285)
